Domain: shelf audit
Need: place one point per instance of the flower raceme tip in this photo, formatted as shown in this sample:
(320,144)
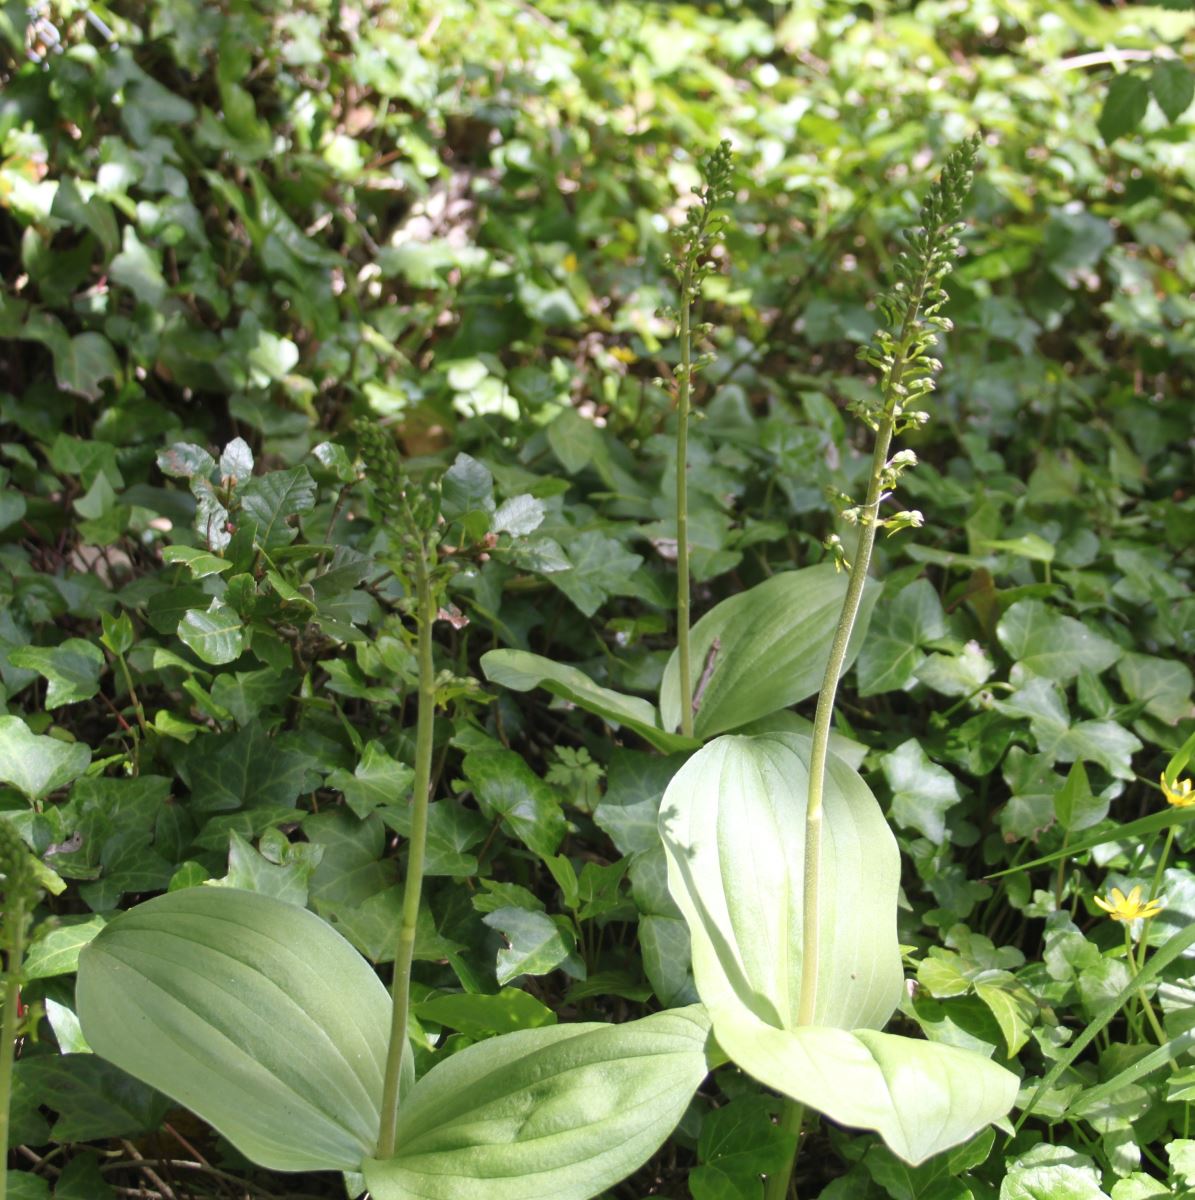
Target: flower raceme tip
(1181,794)
(1128,908)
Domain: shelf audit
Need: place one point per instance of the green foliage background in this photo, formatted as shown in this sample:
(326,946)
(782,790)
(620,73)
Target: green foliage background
(227,231)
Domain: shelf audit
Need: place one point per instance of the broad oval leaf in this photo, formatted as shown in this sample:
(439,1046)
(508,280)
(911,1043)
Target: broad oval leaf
(561,1112)
(521,671)
(920,1097)
(773,642)
(733,826)
(253,1013)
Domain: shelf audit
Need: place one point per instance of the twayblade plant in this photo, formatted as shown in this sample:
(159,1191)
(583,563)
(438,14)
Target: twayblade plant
(262,1019)
(779,856)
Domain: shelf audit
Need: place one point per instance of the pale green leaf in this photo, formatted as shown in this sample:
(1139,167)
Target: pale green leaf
(254,1014)
(773,642)
(733,826)
(560,1113)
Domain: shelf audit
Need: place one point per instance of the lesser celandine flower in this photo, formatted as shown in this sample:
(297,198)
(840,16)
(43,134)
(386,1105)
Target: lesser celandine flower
(1180,794)
(1128,908)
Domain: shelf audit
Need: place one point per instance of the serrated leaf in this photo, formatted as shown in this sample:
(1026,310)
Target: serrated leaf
(518,516)
(1124,106)
(206,994)
(217,635)
(269,501)
(1173,86)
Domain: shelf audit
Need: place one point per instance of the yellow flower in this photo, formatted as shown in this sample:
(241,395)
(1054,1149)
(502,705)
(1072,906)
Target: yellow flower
(1181,795)
(569,263)
(1128,908)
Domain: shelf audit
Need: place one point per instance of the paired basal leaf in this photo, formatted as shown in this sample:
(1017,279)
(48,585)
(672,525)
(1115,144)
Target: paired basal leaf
(773,642)
(733,824)
(559,1113)
(253,1013)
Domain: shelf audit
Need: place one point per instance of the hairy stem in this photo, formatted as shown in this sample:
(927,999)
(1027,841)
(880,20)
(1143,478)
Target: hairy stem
(15,922)
(868,524)
(682,501)
(413,884)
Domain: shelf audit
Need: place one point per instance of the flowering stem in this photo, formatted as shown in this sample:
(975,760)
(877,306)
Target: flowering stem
(1158,874)
(15,927)
(683,394)
(416,850)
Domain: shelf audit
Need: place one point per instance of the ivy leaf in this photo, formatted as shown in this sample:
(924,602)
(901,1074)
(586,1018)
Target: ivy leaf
(37,765)
(467,495)
(891,653)
(536,943)
(1047,643)
(93,1098)
(600,568)
(739,1143)
(377,781)
(72,668)
(1173,85)
(1124,106)
(56,951)
(228,771)
(269,501)
(922,791)
(507,788)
